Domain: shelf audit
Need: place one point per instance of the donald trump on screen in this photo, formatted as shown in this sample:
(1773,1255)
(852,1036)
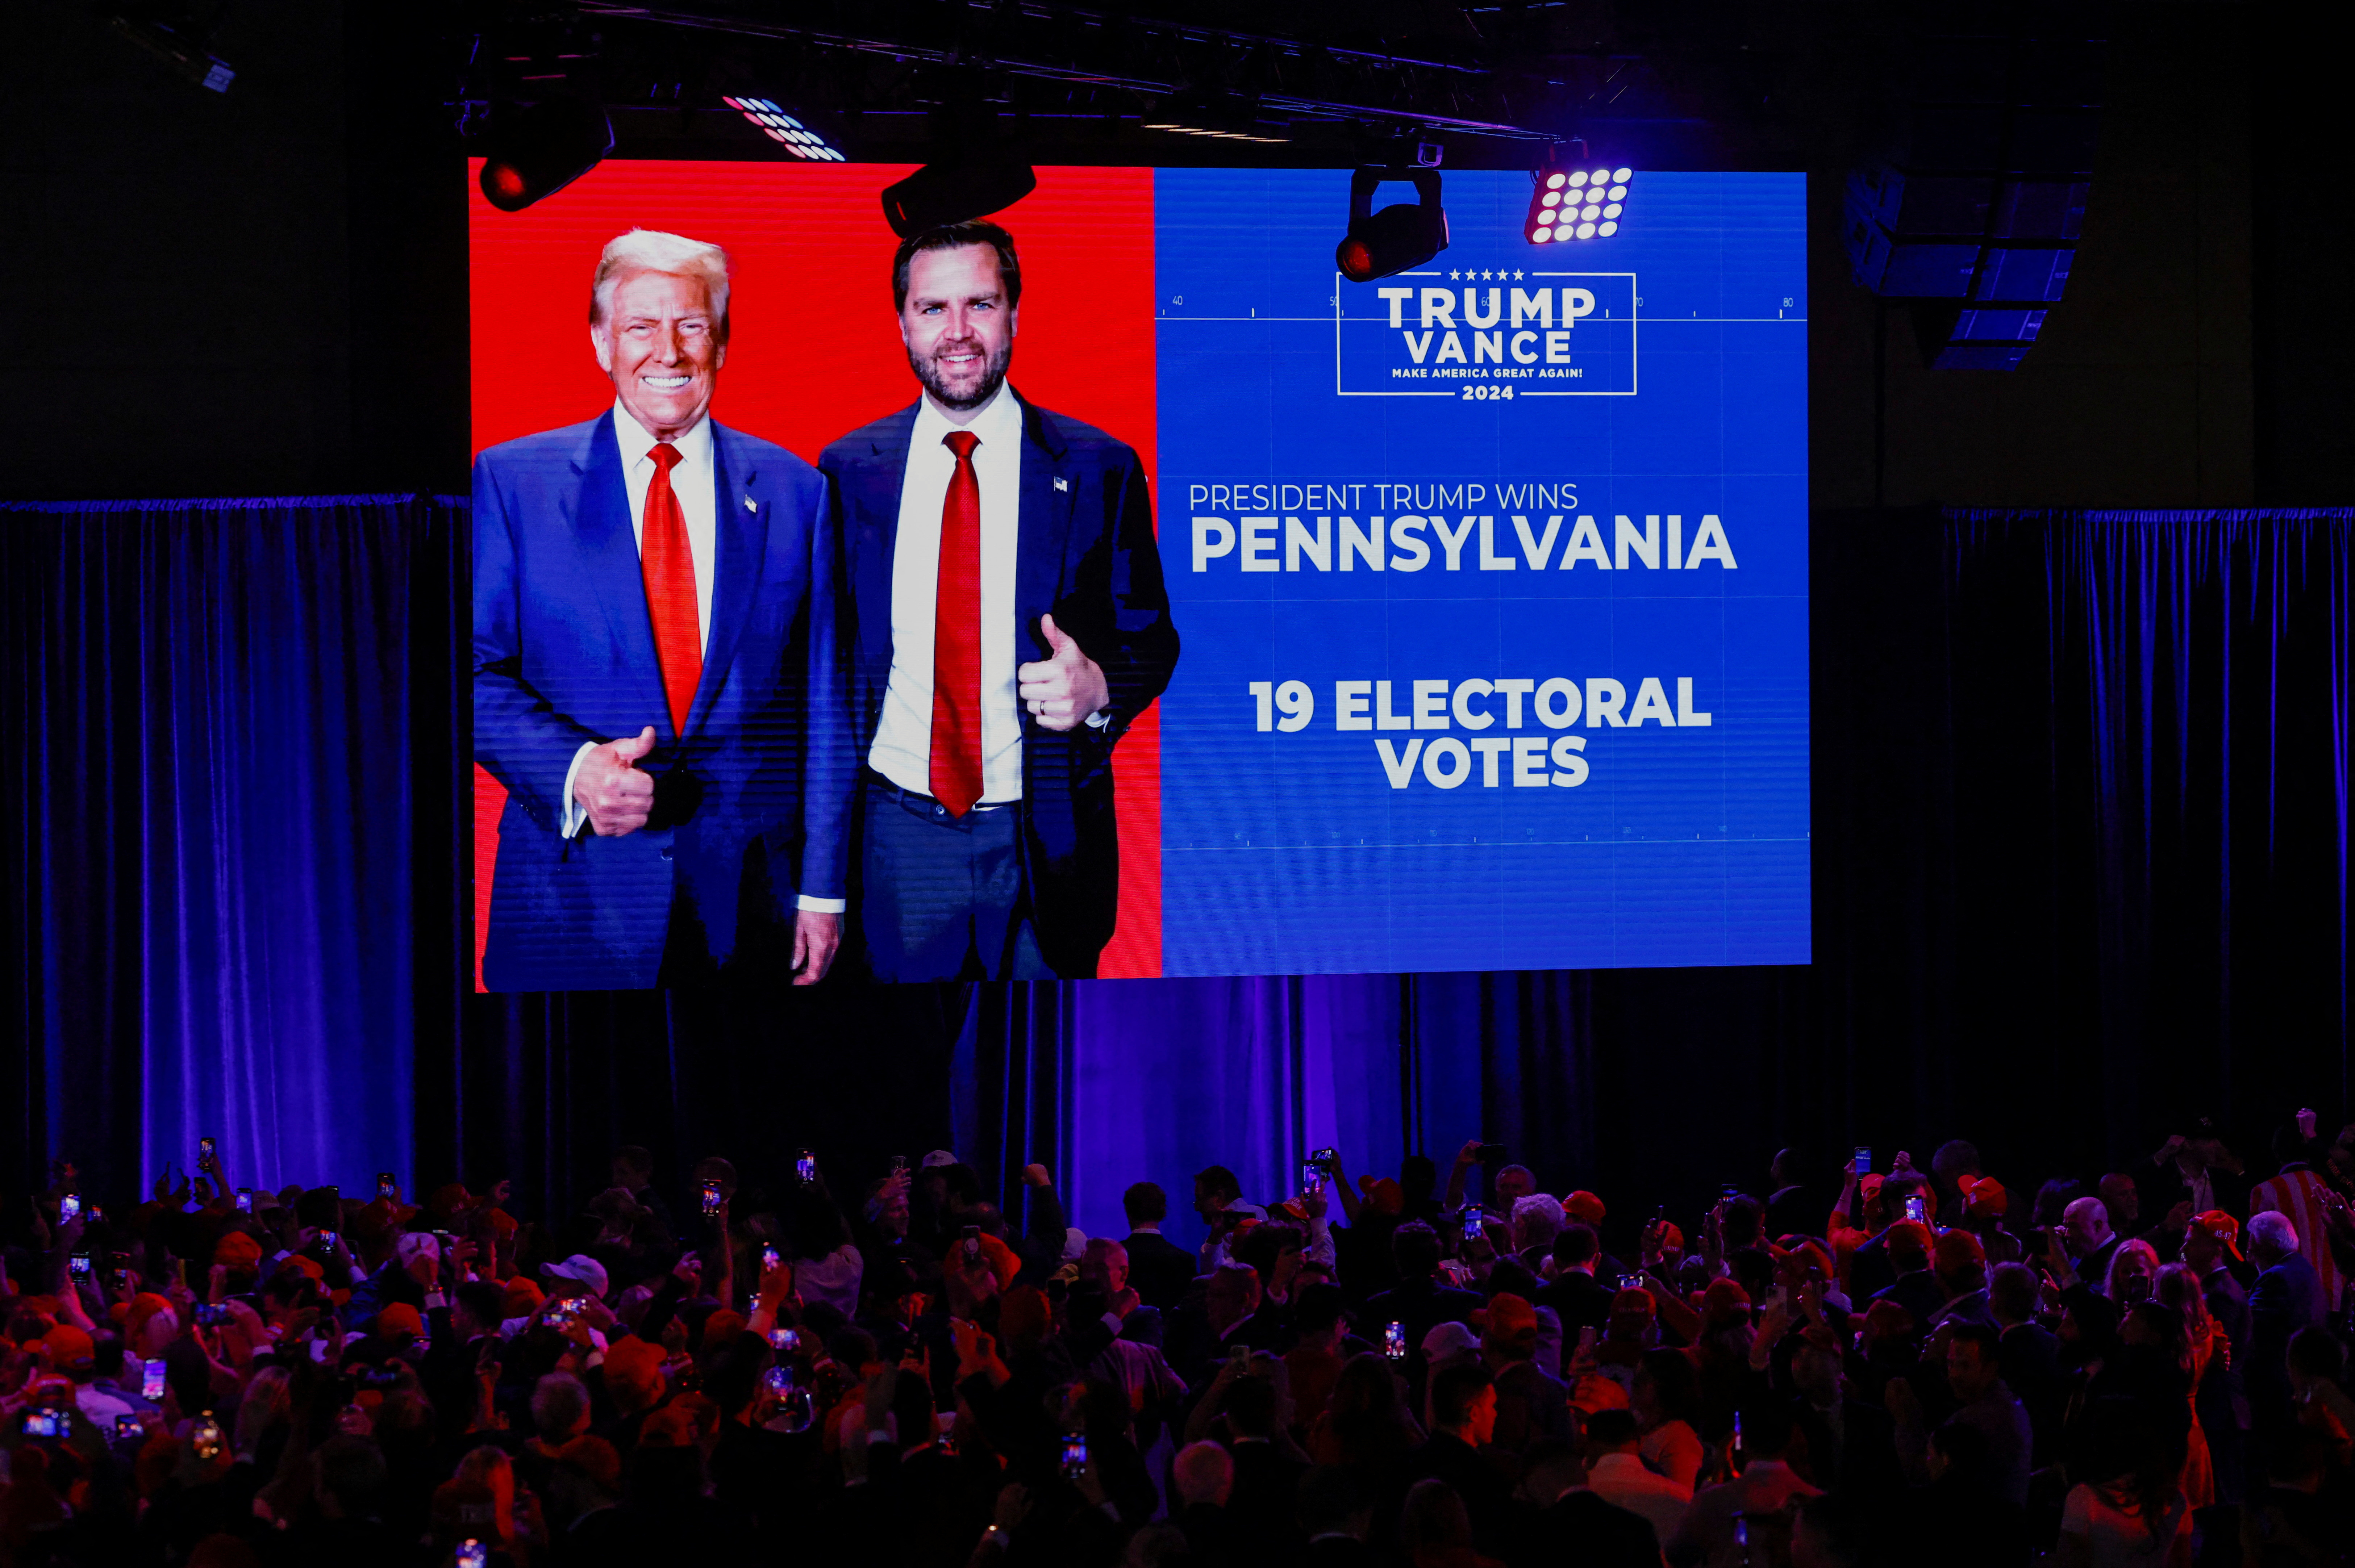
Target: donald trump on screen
(655,679)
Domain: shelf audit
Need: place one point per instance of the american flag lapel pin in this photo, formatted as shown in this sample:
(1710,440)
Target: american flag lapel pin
(1062,483)
(750,504)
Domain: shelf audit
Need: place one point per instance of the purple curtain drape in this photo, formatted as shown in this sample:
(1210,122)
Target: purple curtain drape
(210,711)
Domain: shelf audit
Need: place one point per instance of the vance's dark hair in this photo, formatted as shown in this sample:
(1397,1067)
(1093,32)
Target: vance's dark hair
(955,236)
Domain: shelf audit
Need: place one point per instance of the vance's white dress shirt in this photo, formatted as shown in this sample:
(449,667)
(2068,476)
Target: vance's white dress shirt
(902,752)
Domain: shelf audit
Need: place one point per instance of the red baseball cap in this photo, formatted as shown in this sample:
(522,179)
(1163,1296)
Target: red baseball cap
(2223,1227)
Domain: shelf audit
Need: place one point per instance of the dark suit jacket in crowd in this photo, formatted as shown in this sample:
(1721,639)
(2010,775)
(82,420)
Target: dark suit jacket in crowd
(1918,1293)
(1799,1210)
(1581,1528)
(1488,1496)
(2093,1268)
(2228,1303)
(1264,1505)
(1579,1301)
(2288,1297)
(1159,1270)
(1870,1272)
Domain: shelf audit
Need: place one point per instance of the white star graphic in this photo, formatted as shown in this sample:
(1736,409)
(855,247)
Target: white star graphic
(1517,276)
(1453,275)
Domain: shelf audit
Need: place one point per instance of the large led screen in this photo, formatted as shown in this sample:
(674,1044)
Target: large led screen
(1454,621)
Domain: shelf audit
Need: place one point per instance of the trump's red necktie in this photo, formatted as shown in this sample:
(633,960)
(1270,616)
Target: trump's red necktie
(667,562)
(956,637)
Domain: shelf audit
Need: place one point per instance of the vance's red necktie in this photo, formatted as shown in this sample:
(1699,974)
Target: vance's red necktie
(668,563)
(956,637)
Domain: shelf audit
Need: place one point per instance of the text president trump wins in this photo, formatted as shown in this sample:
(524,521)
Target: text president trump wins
(1010,622)
(655,675)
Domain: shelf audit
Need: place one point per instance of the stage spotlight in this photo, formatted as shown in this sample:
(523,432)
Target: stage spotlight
(1573,203)
(785,131)
(538,151)
(1400,236)
(941,193)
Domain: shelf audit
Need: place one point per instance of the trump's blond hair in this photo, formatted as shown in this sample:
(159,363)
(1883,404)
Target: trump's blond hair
(652,250)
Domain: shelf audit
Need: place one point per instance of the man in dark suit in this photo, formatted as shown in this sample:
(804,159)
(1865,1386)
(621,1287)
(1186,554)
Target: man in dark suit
(1159,1270)
(1264,1505)
(1847,1444)
(1799,1203)
(1009,624)
(2288,1297)
(1577,1298)
(656,679)
(1463,1420)
(2090,1241)
(2027,1354)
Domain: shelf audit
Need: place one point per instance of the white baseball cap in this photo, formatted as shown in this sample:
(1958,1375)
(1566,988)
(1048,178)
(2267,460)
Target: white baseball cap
(580,1269)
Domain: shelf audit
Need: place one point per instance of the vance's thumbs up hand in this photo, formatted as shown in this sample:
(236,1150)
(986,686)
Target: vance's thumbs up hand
(1065,690)
(617,796)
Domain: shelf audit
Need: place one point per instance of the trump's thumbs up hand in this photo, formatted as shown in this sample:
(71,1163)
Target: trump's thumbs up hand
(1066,689)
(617,796)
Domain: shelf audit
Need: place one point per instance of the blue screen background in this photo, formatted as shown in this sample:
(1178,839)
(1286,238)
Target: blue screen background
(1292,853)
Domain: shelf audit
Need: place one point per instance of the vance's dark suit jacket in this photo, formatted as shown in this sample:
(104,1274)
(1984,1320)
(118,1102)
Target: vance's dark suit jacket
(1086,555)
(751,803)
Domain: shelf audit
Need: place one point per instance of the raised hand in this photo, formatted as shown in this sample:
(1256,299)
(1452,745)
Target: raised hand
(1064,690)
(617,796)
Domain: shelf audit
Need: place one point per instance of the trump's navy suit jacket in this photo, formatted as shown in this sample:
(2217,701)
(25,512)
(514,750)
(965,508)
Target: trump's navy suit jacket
(1085,554)
(751,804)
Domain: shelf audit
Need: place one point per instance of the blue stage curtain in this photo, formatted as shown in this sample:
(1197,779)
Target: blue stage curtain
(1121,1081)
(210,776)
(2151,715)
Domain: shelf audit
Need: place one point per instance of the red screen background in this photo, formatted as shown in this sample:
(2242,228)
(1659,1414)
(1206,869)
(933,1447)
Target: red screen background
(814,351)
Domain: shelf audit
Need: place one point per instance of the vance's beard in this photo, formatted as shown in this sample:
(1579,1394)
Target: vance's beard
(993,376)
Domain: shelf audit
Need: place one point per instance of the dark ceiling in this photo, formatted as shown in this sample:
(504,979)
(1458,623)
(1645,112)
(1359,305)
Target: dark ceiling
(1680,83)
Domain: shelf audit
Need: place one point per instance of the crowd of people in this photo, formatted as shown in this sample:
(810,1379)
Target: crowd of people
(1447,1369)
